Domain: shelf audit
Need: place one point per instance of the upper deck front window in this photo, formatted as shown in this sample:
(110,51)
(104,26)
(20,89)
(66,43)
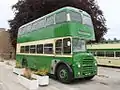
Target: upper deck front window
(81,17)
(61,17)
(75,16)
(87,21)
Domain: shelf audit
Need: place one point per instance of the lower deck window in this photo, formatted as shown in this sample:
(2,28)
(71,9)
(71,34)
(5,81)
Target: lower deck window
(22,49)
(32,49)
(109,54)
(40,49)
(67,46)
(100,54)
(117,54)
(48,49)
(93,53)
(58,46)
(26,49)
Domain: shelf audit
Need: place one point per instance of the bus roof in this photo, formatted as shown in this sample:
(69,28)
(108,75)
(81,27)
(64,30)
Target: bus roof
(57,11)
(103,46)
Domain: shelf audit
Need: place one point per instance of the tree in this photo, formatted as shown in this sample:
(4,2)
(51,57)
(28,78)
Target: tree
(109,40)
(103,40)
(28,10)
(115,40)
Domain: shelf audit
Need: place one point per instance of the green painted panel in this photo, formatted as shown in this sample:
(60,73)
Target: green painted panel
(37,62)
(87,65)
(82,31)
(62,30)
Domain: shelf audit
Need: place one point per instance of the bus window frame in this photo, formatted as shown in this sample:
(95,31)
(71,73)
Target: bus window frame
(116,54)
(39,47)
(49,17)
(62,53)
(32,49)
(87,16)
(48,47)
(81,16)
(23,49)
(56,20)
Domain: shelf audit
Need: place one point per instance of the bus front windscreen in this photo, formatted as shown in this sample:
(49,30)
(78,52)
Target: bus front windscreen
(78,45)
(87,21)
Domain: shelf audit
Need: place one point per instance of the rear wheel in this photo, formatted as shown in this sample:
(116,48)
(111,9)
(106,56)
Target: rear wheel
(89,78)
(64,74)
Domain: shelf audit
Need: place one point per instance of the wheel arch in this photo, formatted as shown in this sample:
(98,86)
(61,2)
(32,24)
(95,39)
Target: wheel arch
(63,63)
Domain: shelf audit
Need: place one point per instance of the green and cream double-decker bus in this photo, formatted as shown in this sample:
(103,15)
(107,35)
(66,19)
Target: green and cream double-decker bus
(57,42)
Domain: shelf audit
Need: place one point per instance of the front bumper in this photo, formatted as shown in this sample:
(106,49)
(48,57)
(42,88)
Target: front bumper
(85,71)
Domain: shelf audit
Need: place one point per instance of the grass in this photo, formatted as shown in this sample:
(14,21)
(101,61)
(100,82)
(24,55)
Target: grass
(18,65)
(41,72)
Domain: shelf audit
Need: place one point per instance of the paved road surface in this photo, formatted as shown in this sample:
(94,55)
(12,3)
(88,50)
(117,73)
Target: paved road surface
(8,80)
(107,79)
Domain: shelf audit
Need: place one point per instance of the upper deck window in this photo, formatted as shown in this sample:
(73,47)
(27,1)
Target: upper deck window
(61,17)
(50,20)
(38,24)
(74,16)
(87,21)
(28,28)
(41,23)
(22,30)
(31,27)
(35,26)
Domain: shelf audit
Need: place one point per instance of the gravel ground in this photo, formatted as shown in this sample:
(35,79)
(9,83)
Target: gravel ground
(107,79)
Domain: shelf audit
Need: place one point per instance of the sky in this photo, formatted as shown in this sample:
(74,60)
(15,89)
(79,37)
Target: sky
(6,12)
(110,10)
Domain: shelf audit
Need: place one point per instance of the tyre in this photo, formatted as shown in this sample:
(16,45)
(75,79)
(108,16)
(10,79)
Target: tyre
(89,78)
(64,74)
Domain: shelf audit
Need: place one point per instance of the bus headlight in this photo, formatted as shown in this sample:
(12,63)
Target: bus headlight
(79,65)
(95,63)
(78,73)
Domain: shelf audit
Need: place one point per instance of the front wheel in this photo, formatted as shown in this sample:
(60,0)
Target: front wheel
(64,74)
(89,78)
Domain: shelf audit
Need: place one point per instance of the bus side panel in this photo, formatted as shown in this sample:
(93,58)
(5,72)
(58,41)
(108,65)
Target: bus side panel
(36,62)
(40,62)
